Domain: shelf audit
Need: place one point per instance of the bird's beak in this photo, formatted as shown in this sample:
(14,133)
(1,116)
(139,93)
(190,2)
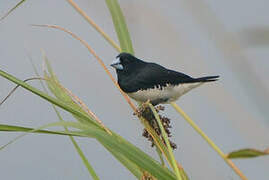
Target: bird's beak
(116,64)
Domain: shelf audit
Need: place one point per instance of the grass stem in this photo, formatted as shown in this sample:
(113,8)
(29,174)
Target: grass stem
(94,25)
(166,140)
(208,140)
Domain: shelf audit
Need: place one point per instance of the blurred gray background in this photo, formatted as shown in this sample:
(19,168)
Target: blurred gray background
(204,37)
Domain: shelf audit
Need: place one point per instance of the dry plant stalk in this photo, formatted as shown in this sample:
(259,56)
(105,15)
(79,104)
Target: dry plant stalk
(89,20)
(84,107)
(14,89)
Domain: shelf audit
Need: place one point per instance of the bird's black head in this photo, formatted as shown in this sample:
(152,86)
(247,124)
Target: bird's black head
(126,63)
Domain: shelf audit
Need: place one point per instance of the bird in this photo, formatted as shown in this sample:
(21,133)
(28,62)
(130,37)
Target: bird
(147,81)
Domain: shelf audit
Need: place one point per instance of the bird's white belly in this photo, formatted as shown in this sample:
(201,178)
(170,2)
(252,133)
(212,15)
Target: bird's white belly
(164,95)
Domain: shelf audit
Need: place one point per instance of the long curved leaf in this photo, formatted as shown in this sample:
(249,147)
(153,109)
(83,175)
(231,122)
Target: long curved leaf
(247,153)
(120,26)
(10,128)
(50,99)
(132,153)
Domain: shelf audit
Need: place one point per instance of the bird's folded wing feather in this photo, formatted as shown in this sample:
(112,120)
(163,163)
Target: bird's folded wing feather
(154,75)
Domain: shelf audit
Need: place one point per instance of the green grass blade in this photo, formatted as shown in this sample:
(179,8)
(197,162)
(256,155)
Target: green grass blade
(120,26)
(132,153)
(59,92)
(132,167)
(78,149)
(50,99)
(130,156)
(119,145)
(247,153)
(84,159)
(12,9)
(62,95)
(75,144)
(39,130)
(10,128)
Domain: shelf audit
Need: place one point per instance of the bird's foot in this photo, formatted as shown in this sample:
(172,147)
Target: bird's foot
(141,108)
(159,108)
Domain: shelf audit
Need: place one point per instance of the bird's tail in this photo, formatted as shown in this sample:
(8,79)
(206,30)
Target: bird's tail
(207,79)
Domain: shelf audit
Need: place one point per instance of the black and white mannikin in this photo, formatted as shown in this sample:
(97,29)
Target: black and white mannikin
(144,81)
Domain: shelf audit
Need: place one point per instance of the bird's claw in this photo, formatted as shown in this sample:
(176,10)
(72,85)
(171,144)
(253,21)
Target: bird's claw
(141,108)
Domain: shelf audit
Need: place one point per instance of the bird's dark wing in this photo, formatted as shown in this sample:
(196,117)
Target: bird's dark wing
(152,75)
